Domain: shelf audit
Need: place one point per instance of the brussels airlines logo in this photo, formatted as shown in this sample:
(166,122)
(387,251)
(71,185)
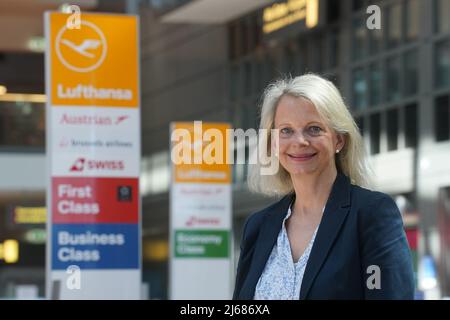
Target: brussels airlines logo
(81,50)
(83,165)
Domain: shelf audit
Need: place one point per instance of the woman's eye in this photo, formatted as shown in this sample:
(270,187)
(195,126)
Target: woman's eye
(315,130)
(286,131)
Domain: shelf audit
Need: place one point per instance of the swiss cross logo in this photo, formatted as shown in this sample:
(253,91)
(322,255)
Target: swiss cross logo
(78,166)
(197,221)
(81,164)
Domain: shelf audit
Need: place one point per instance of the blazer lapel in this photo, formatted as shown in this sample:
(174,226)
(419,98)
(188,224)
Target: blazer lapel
(336,210)
(266,239)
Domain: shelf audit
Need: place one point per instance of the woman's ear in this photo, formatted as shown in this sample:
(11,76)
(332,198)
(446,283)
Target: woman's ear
(340,141)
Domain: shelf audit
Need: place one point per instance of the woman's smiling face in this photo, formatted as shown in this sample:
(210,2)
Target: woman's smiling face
(306,144)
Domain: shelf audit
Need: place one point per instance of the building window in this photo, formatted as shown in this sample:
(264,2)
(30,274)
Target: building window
(22,124)
(333,49)
(394,25)
(375,133)
(303,56)
(333,10)
(259,80)
(412,19)
(234,81)
(360,123)
(252,33)
(358,4)
(410,73)
(392,129)
(375,84)
(411,125)
(359,38)
(248,78)
(238,116)
(268,70)
(289,62)
(252,116)
(393,79)
(244,37)
(235,44)
(442,118)
(442,68)
(319,46)
(375,40)
(442,15)
(359,89)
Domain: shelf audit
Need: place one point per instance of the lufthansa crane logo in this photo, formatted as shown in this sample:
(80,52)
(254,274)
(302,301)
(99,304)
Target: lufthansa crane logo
(81,50)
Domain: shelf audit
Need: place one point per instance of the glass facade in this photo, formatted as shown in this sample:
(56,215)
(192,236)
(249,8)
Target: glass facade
(442,118)
(442,68)
(359,89)
(22,125)
(394,25)
(375,84)
(410,73)
(412,19)
(442,14)
(359,38)
(393,74)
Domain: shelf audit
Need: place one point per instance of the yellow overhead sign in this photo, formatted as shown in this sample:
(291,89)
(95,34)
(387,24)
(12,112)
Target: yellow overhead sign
(280,15)
(30,215)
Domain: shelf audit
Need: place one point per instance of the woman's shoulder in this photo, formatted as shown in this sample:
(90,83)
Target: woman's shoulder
(374,205)
(369,198)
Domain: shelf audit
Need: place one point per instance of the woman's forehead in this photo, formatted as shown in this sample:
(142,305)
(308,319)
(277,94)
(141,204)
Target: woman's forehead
(296,110)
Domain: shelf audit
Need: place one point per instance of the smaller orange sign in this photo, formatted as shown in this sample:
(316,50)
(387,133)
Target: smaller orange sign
(96,65)
(200,152)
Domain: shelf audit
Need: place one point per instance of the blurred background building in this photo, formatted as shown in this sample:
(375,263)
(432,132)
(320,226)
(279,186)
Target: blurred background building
(210,60)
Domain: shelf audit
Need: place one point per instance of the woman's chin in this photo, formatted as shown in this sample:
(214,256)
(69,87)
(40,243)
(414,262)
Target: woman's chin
(299,170)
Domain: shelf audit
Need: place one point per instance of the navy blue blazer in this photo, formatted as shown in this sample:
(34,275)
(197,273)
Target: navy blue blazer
(359,228)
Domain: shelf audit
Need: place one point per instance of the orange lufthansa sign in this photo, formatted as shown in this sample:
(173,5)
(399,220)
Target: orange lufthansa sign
(200,152)
(95,65)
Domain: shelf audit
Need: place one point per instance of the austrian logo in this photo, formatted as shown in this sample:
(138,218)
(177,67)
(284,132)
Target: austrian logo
(96,120)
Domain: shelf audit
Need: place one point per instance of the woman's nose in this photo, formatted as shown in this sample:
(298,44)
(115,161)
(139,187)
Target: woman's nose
(301,138)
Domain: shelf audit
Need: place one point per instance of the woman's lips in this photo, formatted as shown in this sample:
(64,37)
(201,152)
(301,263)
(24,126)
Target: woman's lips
(301,157)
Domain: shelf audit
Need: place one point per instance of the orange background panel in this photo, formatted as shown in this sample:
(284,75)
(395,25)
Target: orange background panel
(224,168)
(118,69)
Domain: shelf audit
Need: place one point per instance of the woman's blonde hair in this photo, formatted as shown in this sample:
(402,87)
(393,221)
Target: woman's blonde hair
(324,95)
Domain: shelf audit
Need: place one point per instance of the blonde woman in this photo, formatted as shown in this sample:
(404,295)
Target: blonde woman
(328,237)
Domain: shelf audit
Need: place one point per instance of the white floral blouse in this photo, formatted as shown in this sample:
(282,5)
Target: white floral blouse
(281,278)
